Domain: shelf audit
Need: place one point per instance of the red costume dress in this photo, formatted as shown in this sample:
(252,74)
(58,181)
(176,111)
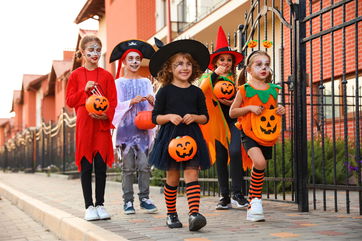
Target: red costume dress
(92,135)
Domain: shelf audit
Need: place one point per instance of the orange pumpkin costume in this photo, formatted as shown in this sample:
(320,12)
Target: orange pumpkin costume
(251,96)
(217,127)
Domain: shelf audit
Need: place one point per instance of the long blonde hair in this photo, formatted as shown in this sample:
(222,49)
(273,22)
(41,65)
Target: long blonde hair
(249,61)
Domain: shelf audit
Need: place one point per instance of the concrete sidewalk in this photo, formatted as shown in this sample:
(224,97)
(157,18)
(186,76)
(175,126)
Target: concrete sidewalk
(57,203)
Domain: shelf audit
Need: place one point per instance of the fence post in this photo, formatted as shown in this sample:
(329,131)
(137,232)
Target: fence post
(64,141)
(300,118)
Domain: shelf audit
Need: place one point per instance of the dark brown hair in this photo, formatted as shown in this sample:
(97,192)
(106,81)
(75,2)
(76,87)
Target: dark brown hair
(165,76)
(249,62)
(86,39)
(233,68)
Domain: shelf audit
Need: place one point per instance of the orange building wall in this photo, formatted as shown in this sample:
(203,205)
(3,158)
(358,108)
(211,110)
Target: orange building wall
(48,110)
(29,109)
(128,20)
(146,19)
(18,119)
(60,89)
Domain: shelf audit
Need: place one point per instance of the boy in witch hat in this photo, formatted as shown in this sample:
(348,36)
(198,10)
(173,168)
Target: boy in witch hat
(134,94)
(221,135)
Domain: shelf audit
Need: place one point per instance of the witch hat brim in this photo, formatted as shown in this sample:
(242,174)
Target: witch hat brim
(237,56)
(198,51)
(145,48)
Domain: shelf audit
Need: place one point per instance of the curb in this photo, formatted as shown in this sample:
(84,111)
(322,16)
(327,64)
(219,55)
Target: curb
(66,226)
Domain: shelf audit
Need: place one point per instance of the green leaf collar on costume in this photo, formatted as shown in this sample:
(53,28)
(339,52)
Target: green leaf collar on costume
(226,78)
(262,94)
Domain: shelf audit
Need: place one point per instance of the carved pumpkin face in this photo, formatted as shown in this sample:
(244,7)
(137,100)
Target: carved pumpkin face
(97,104)
(143,120)
(267,43)
(252,44)
(182,148)
(267,125)
(224,90)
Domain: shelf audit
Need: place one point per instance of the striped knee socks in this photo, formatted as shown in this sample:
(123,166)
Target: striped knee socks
(170,193)
(193,196)
(256,183)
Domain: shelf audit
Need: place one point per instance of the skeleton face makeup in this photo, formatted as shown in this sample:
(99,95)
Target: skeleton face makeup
(93,50)
(132,62)
(260,67)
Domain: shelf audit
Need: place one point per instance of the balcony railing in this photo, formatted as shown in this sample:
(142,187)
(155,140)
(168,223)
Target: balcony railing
(190,12)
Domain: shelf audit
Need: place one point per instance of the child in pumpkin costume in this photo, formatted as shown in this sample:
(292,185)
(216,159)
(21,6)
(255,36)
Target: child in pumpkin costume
(221,135)
(93,137)
(253,99)
(179,108)
(134,94)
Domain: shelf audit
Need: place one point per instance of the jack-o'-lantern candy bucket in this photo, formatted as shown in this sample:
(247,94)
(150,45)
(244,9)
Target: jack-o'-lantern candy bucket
(267,125)
(143,120)
(97,104)
(224,90)
(182,148)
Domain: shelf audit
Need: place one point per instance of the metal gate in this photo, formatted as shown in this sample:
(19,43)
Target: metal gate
(319,154)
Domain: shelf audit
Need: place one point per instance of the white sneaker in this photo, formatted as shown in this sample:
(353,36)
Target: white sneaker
(91,214)
(255,213)
(102,212)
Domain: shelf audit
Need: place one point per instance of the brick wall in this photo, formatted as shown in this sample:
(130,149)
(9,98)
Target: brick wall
(322,65)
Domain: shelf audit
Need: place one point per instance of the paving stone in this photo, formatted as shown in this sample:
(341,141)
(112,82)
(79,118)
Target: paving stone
(283,221)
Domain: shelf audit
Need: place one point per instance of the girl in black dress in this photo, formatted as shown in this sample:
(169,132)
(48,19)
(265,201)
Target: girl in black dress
(179,109)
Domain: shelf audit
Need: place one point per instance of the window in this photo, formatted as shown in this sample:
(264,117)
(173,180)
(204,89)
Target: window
(339,98)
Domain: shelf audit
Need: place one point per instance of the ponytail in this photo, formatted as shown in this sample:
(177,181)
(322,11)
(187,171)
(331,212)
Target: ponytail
(242,77)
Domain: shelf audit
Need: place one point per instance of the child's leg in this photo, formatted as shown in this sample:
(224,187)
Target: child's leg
(196,220)
(128,169)
(222,170)
(255,211)
(86,180)
(100,169)
(257,174)
(192,190)
(170,192)
(143,170)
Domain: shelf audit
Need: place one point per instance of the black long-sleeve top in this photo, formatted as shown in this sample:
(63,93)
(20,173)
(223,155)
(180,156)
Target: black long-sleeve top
(171,99)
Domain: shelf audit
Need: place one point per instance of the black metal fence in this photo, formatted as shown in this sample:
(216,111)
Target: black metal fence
(315,58)
(48,148)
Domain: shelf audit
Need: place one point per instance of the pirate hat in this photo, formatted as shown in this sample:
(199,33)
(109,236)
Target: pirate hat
(222,47)
(196,49)
(144,49)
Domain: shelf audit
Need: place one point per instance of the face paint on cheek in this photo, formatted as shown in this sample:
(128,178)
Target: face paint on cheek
(96,51)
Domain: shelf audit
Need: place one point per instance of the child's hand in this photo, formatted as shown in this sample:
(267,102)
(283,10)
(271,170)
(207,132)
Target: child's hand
(90,84)
(137,100)
(220,70)
(280,110)
(188,119)
(150,99)
(256,109)
(102,116)
(225,101)
(175,119)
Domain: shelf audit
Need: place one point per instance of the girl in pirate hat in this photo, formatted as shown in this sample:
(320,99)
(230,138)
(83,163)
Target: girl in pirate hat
(179,109)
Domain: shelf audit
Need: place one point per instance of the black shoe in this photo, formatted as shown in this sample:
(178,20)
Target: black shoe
(196,221)
(172,221)
(239,201)
(224,203)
